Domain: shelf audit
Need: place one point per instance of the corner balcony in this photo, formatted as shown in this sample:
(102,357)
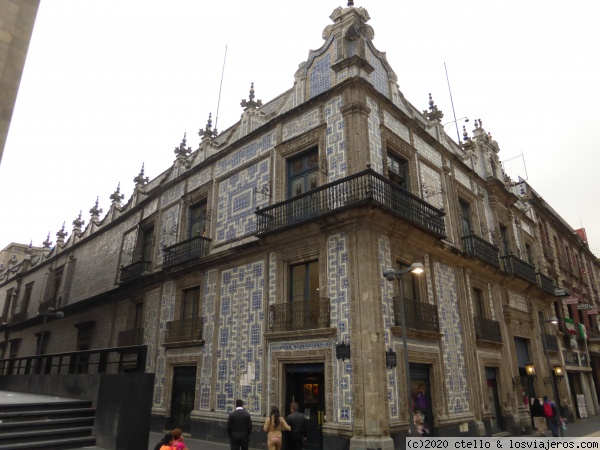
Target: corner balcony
(188,250)
(419,315)
(185,331)
(134,271)
(481,249)
(134,336)
(516,266)
(487,330)
(546,283)
(299,315)
(367,187)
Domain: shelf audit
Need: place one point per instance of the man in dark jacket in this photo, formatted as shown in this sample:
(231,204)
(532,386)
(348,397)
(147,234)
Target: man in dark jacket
(239,427)
(297,421)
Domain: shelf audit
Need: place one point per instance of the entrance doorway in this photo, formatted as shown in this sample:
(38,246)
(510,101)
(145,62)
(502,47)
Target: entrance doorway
(493,399)
(305,385)
(182,397)
(421,399)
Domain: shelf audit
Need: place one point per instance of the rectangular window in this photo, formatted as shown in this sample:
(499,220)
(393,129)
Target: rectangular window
(138,318)
(410,284)
(304,281)
(145,244)
(478,305)
(7,300)
(190,303)
(505,244)
(197,220)
(528,253)
(398,170)
(26,296)
(465,217)
(56,282)
(303,173)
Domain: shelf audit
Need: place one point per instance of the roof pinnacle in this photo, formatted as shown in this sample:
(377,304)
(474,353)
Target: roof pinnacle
(250,103)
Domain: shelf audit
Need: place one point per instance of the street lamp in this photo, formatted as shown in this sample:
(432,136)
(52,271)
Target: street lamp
(557,370)
(391,275)
(49,312)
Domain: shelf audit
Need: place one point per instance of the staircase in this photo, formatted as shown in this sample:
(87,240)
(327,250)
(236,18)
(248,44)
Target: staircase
(47,425)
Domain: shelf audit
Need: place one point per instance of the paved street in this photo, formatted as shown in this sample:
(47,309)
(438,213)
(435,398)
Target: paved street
(582,428)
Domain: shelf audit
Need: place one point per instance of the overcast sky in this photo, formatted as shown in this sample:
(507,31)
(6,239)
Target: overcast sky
(111,84)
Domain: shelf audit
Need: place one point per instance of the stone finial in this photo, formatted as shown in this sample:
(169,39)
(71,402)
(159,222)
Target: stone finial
(61,235)
(96,211)
(47,243)
(466,137)
(78,223)
(350,3)
(251,104)
(116,196)
(140,180)
(208,132)
(434,113)
(478,123)
(182,151)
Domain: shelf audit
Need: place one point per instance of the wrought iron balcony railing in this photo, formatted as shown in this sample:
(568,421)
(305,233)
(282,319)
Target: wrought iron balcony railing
(184,330)
(513,265)
(134,271)
(360,188)
(481,249)
(135,336)
(106,360)
(419,315)
(299,315)
(546,283)
(192,248)
(551,342)
(487,329)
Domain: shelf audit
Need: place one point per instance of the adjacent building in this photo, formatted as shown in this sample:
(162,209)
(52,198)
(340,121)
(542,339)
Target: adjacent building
(253,268)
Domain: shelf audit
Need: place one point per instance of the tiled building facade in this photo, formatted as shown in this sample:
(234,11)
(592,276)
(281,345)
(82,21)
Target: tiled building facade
(253,268)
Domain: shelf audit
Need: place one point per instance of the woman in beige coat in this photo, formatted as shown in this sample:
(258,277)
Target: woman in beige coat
(273,426)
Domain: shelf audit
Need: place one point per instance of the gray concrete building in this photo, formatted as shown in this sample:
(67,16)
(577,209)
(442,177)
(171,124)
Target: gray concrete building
(253,268)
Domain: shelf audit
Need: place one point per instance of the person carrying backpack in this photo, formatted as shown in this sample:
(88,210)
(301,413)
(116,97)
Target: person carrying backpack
(552,416)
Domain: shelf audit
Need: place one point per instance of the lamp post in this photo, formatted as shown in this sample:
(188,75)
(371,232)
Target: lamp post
(391,275)
(49,312)
(557,369)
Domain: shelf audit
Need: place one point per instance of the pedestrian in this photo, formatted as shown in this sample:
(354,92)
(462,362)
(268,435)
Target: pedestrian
(178,439)
(239,427)
(273,426)
(537,412)
(297,421)
(552,416)
(167,442)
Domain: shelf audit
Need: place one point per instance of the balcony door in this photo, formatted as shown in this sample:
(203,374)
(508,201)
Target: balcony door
(304,295)
(303,176)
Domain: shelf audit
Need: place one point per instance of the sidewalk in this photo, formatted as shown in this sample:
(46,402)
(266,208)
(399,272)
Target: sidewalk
(582,428)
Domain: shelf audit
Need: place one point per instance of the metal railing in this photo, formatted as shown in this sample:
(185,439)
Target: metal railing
(516,266)
(487,329)
(107,360)
(184,330)
(366,186)
(546,283)
(134,336)
(134,271)
(481,249)
(299,315)
(192,248)
(419,315)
